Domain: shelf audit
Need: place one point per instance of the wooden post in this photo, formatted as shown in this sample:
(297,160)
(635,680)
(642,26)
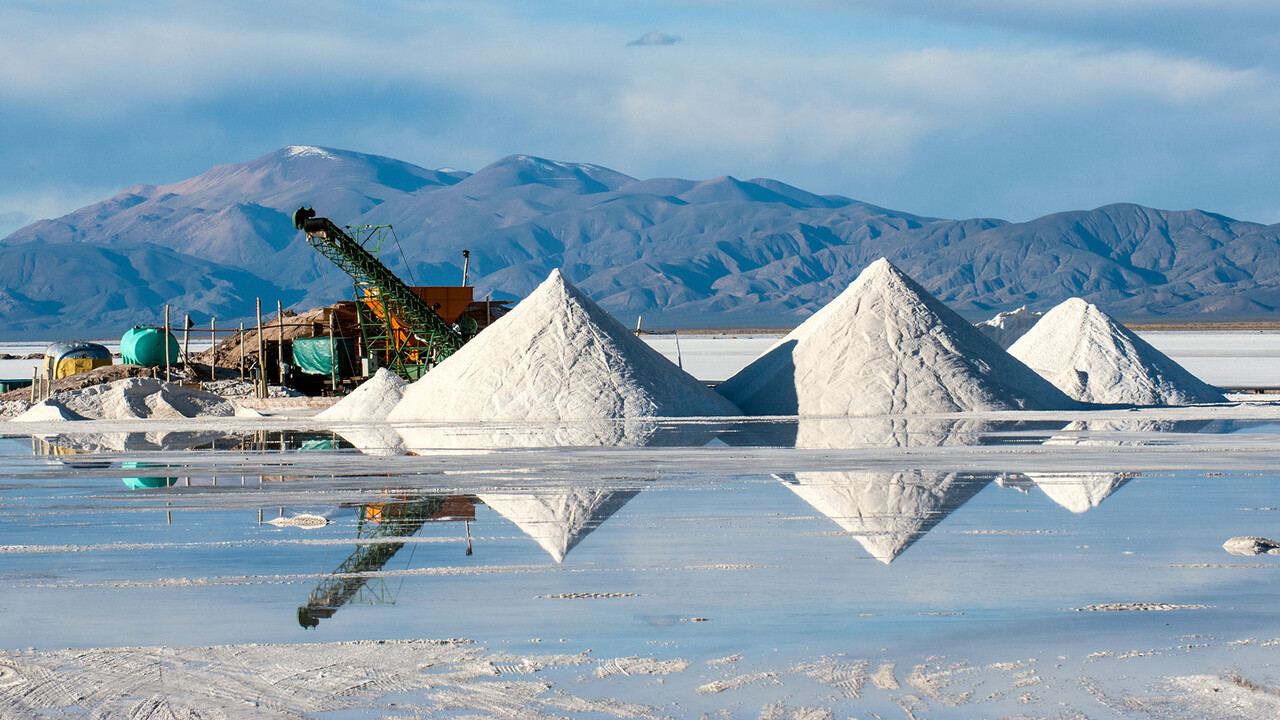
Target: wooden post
(213,350)
(262,357)
(35,376)
(280,337)
(241,339)
(488,312)
(186,347)
(167,360)
(333,360)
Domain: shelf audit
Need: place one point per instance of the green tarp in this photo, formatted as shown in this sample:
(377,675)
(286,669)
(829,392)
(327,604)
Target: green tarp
(312,356)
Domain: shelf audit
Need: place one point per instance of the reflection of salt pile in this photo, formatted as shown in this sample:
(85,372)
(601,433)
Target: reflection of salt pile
(135,398)
(371,401)
(1093,358)
(556,356)
(559,521)
(583,433)
(1079,492)
(886,512)
(1006,327)
(133,441)
(884,346)
(900,432)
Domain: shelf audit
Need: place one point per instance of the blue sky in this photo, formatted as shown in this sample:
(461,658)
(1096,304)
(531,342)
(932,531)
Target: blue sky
(997,108)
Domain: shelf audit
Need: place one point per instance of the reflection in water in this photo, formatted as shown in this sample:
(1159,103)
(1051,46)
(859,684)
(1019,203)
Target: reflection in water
(1114,432)
(378,521)
(1079,492)
(884,432)
(594,433)
(75,443)
(558,521)
(886,512)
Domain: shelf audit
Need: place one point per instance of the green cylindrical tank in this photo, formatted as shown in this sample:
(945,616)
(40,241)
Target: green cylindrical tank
(145,346)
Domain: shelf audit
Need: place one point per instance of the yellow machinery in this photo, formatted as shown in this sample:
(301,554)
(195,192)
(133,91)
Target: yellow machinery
(69,357)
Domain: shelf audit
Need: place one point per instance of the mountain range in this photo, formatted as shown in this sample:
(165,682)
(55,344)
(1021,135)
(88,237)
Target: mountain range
(714,253)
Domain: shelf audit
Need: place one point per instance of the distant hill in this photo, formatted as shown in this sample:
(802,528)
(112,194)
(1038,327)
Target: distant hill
(721,252)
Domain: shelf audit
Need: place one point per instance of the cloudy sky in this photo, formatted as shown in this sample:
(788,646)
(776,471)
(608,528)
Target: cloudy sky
(999,108)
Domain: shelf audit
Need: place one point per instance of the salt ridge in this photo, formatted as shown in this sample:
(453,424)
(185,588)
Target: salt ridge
(373,400)
(1006,327)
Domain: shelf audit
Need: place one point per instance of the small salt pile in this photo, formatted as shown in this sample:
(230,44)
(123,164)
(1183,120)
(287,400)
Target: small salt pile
(130,399)
(1006,327)
(886,512)
(886,346)
(48,410)
(556,356)
(1093,358)
(371,401)
(558,521)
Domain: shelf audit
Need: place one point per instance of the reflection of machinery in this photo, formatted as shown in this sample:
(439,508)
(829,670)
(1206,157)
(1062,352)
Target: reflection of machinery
(70,357)
(378,525)
(405,329)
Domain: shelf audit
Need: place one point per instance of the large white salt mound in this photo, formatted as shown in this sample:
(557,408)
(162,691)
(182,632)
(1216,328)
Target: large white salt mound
(558,521)
(1006,327)
(557,356)
(371,401)
(133,398)
(1093,358)
(886,346)
(886,512)
(49,410)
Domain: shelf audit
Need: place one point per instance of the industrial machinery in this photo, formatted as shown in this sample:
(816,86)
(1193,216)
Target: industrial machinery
(404,328)
(378,526)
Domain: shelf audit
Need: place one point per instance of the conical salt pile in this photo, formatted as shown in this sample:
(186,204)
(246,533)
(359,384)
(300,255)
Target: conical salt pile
(1006,327)
(557,356)
(1093,358)
(559,521)
(886,512)
(886,346)
(371,401)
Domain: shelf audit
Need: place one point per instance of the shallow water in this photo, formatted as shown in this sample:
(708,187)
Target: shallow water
(967,551)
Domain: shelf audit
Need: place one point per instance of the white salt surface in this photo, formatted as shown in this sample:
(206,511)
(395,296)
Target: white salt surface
(1093,358)
(50,410)
(886,346)
(1251,546)
(1225,358)
(556,356)
(1006,327)
(373,400)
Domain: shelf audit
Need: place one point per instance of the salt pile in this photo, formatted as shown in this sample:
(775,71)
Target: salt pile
(371,401)
(887,346)
(48,410)
(559,521)
(556,356)
(1093,358)
(886,512)
(134,398)
(1006,327)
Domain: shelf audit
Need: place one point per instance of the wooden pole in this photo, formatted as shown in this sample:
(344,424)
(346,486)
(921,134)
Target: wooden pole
(262,358)
(167,360)
(241,338)
(35,376)
(213,350)
(186,347)
(280,337)
(333,360)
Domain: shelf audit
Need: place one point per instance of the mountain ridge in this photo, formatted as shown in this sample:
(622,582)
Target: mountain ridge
(721,252)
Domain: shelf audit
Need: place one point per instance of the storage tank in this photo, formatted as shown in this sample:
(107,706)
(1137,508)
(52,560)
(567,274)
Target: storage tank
(145,346)
(69,357)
